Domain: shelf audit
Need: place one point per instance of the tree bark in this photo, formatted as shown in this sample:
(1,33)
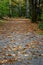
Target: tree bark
(10,10)
(33,6)
(26,8)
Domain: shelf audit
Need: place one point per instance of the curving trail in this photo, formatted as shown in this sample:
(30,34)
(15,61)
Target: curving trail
(20,44)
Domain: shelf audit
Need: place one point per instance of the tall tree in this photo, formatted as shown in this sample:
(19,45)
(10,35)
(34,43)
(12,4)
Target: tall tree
(35,10)
(33,6)
(10,10)
(18,6)
(20,10)
(26,8)
(39,9)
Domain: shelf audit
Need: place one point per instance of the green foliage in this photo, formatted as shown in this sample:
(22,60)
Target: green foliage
(4,9)
(13,8)
(17,8)
(41,25)
(42,14)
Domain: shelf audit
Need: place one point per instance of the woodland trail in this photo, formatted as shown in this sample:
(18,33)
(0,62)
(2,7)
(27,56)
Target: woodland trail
(20,44)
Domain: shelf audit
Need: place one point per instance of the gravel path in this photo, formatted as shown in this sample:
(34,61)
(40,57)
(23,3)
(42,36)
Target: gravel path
(19,45)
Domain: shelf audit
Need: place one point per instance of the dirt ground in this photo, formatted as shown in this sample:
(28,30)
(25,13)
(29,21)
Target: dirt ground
(20,43)
(21,22)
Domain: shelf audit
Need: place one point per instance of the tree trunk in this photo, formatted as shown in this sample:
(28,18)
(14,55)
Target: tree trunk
(20,9)
(10,10)
(33,6)
(27,8)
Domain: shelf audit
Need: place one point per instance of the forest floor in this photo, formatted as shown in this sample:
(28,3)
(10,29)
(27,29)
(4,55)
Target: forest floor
(21,42)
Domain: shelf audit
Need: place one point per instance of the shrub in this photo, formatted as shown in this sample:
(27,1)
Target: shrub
(41,25)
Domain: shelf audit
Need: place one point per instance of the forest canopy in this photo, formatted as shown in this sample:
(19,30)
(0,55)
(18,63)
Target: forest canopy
(21,8)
